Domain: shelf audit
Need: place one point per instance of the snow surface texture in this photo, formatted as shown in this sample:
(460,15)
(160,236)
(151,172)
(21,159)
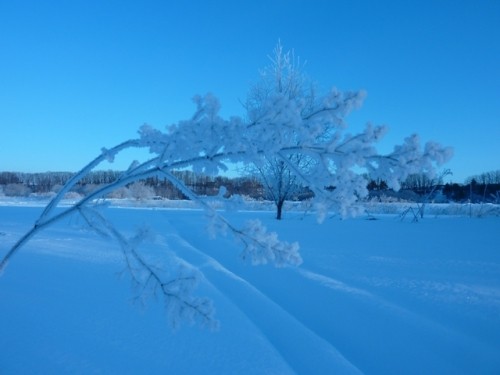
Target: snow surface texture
(372,296)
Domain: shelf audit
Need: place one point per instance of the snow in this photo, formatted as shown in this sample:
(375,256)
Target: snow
(378,296)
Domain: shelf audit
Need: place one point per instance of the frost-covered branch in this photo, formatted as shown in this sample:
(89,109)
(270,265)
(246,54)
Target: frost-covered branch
(175,283)
(207,143)
(301,132)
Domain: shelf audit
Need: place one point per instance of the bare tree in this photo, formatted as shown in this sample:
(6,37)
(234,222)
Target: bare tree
(279,181)
(139,190)
(284,78)
(16,190)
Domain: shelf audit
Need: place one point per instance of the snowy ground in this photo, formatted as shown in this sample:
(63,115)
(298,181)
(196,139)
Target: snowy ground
(378,296)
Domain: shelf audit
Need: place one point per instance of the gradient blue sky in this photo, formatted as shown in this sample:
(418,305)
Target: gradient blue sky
(79,75)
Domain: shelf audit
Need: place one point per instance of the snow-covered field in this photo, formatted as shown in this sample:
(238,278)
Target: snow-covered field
(380,296)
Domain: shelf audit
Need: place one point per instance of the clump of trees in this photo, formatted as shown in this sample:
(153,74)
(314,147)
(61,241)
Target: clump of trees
(485,178)
(484,187)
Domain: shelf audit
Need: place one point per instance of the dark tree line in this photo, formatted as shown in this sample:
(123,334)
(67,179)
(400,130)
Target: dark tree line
(23,184)
(484,187)
(480,188)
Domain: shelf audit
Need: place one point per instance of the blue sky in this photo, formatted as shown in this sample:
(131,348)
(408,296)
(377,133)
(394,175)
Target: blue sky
(76,76)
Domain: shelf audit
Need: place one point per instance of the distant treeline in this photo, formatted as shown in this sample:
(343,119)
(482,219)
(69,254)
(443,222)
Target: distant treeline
(24,184)
(484,187)
(480,188)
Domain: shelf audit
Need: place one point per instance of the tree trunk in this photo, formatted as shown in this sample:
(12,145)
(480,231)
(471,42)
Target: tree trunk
(279,209)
